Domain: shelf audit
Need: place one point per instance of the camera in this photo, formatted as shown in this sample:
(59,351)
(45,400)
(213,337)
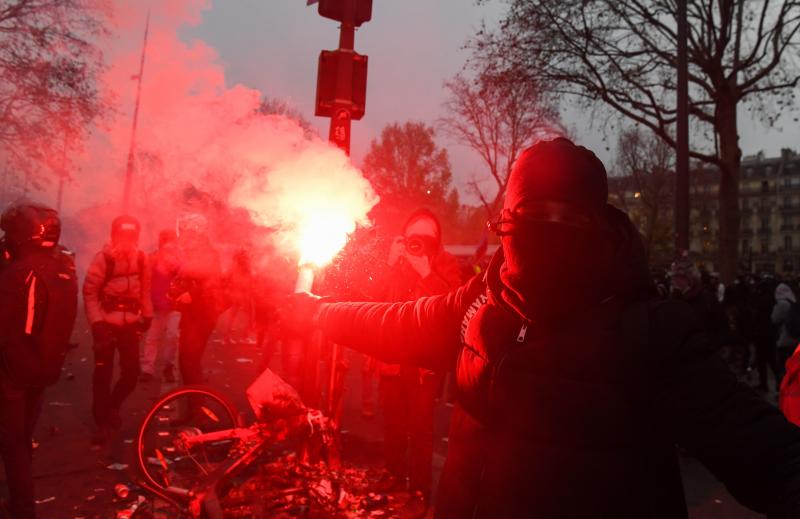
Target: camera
(420,246)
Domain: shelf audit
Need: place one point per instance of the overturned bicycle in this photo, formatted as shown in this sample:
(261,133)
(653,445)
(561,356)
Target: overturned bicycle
(197,460)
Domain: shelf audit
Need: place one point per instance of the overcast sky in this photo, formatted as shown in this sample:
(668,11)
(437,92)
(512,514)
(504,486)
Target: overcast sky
(413,47)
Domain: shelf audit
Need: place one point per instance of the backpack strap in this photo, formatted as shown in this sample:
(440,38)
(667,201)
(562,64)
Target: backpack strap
(111,262)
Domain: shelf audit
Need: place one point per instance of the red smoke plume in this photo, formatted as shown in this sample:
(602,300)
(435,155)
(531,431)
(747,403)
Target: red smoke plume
(202,146)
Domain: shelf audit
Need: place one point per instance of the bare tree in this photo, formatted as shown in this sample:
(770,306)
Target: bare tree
(276,106)
(498,117)
(49,66)
(408,170)
(642,185)
(622,53)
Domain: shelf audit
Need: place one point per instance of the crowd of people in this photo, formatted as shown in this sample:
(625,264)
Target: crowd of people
(753,322)
(576,369)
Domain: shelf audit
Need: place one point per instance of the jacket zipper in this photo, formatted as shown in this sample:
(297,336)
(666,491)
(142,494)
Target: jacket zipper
(522,332)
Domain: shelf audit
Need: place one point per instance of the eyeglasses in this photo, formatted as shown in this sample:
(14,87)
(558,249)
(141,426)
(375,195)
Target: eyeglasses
(542,212)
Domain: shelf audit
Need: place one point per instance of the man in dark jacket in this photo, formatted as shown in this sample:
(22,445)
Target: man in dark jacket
(686,284)
(38,303)
(196,293)
(574,386)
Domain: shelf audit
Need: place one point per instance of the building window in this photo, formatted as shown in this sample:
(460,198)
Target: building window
(764,247)
(787,202)
(765,223)
(787,243)
(764,186)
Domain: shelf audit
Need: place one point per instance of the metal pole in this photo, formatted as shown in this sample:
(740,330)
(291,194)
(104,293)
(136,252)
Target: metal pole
(344,93)
(682,137)
(126,196)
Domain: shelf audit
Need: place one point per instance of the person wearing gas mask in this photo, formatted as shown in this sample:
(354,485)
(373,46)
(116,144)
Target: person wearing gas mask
(417,266)
(38,304)
(116,294)
(196,293)
(575,382)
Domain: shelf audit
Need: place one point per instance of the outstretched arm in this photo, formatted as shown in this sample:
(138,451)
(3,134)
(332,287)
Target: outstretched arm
(424,333)
(743,440)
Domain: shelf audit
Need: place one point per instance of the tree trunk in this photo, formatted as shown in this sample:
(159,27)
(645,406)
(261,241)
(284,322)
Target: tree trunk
(730,158)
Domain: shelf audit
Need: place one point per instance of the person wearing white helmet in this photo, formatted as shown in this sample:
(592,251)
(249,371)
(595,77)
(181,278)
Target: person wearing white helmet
(196,294)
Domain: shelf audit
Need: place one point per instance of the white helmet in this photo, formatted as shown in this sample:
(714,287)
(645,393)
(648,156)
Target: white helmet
(191,222)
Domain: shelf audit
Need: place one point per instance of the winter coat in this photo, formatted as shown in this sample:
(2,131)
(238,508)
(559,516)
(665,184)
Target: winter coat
(200,275)
(129,282)
(38,304)
(165,263)
(711,314)
(579,418)
(784,298)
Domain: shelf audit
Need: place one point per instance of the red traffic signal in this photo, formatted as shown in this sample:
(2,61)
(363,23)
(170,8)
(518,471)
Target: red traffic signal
(331,65)
(335,10)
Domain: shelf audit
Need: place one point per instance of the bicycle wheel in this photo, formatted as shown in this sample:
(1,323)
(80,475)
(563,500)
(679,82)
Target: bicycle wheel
(184,437)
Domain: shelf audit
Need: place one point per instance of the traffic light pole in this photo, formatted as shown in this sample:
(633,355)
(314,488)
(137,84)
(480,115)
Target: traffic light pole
(341,118)
(340,135)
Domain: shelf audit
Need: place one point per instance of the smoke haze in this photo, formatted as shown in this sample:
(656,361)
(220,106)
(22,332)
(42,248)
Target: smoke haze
(201,146)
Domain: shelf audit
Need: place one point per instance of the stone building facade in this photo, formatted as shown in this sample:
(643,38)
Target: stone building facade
(769,201)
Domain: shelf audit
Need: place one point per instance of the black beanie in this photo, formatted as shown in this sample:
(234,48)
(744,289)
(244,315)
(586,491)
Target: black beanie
(558,171)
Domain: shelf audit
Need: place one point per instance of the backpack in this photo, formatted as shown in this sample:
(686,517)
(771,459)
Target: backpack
(792,321)
(110,262)
(111,303)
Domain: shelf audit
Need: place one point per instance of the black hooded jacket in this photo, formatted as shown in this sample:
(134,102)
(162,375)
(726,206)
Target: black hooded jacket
(579,417)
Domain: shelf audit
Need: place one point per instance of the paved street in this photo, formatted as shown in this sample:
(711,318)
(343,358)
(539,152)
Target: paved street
(74,481)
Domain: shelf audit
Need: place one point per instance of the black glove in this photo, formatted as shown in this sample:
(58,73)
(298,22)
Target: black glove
(102,333)
(144,324)
(296,313)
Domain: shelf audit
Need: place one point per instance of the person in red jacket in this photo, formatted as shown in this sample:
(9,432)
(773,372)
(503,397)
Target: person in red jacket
(418,266)
(575,382)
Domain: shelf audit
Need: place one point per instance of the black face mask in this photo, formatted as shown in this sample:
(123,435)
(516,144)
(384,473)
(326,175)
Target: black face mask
(550,268)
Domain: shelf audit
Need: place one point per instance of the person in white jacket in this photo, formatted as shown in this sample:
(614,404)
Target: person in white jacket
(785,344)
(116,294)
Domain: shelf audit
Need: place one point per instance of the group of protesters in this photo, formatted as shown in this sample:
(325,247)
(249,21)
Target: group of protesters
(173,293)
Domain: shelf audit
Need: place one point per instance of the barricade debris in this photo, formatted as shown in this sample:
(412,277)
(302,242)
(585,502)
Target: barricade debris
(287,487)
